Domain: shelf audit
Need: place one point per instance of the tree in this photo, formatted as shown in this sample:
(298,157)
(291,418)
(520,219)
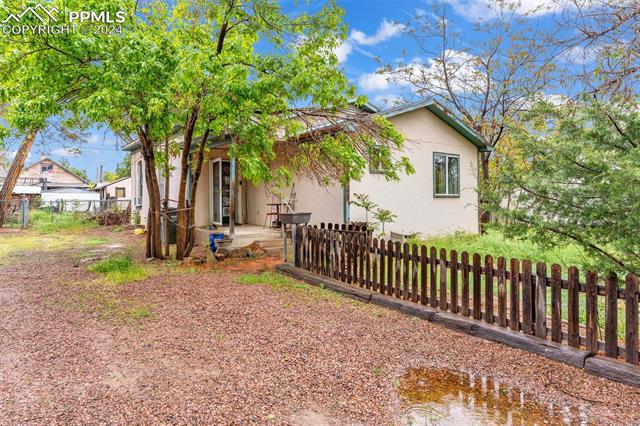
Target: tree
(487,76)
(602,39)
(576,181)
(363,201)
(226,87)
(123,169)
(39,77)
(384,216)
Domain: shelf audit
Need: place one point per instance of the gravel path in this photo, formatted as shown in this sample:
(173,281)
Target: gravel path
(219,352)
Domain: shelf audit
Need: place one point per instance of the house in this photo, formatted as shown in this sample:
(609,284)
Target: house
(441,197)
(118,189)
(42,176)
(50,174)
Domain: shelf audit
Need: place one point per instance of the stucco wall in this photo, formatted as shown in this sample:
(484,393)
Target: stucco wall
(111,189)
(324,203)
(412,199)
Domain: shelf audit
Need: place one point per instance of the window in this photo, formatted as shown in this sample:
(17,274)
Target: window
(375,159)
(140,182)
(121,193)
(46,167)
(446,175)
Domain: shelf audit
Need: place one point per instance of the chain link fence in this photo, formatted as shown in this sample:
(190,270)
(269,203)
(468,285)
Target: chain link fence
(15,212)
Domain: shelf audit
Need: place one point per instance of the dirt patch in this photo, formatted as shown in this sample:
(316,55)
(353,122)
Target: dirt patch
(220,352)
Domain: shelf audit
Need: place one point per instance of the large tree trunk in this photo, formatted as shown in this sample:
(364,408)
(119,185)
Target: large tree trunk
(181,225)
(194,187)
(14,172)
(485,216)
(166,198)
(154,239)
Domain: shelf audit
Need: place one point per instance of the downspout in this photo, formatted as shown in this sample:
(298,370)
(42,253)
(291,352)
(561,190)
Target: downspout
(346,213)
(232,200)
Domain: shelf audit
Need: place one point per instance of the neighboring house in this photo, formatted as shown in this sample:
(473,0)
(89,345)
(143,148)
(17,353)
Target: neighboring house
(51,175)
(44,175)
(440,197)
(118,189)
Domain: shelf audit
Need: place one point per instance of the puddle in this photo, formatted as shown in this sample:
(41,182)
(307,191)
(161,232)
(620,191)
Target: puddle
(444,397)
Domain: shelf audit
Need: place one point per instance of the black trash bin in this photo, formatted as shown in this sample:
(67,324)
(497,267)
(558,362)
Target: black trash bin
(173,219)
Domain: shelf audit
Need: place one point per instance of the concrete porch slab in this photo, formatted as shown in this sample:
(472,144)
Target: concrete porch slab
(245,235)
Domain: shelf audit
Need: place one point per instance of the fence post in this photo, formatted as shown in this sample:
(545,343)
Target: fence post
(24,206)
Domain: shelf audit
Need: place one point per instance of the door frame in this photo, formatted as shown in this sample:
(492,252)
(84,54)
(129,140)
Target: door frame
(211,200)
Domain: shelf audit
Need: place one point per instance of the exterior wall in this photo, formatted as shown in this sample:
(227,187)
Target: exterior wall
(324,203)
(411,198)
(110,189)
(57,175)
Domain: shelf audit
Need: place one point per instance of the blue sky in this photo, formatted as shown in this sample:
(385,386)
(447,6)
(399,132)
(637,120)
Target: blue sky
(373,32)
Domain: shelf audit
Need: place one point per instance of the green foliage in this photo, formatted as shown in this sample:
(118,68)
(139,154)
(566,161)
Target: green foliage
(123,169)
(576,181)
(363,201)
(384,216)
(43,222)
(496,244)
(283,283)
(120,269)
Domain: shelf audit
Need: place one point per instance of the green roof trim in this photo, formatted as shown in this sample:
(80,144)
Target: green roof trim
(451,120)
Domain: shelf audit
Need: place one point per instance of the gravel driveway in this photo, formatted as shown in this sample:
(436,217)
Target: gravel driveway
(215,351)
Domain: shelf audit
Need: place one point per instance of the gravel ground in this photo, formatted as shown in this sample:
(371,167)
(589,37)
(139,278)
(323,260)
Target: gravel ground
(219,352)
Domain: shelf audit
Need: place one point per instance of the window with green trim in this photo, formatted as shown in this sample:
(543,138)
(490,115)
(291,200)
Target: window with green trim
(446,175)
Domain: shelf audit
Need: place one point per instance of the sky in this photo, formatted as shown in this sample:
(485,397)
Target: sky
(375,31)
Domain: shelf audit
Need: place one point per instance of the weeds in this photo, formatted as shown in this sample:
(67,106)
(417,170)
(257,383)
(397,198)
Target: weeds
(43,222)
(120,269)
(282,283)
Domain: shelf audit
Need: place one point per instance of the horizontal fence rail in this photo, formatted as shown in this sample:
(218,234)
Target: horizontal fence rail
(517,294)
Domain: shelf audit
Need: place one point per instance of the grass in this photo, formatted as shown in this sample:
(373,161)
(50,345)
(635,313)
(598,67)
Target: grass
(102,300)
(279,282)
(495,244)
(120,269)
(43,222)
(50,233)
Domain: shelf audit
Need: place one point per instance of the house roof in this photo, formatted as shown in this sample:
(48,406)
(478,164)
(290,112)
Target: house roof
(103,184)
(441,112)
(446,116)
(63,167)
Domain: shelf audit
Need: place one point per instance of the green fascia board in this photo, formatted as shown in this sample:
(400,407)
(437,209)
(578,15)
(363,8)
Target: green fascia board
(452,121)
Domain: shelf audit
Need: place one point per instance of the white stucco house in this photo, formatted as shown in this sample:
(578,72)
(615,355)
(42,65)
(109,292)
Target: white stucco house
(118,189)
(441,197)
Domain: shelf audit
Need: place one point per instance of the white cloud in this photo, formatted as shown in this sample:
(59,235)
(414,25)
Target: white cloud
(66,152)
(375,81)
(580,55)
(461,67)
(385,31)
(343,50)
(485,9)
(388,100)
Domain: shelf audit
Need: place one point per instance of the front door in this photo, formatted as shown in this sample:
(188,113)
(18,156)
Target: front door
(220,186)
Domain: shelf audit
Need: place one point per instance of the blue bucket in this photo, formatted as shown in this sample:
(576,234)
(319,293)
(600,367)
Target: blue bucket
(212,241)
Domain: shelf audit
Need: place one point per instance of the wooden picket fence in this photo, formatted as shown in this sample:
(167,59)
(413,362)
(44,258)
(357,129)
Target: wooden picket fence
(506,293)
